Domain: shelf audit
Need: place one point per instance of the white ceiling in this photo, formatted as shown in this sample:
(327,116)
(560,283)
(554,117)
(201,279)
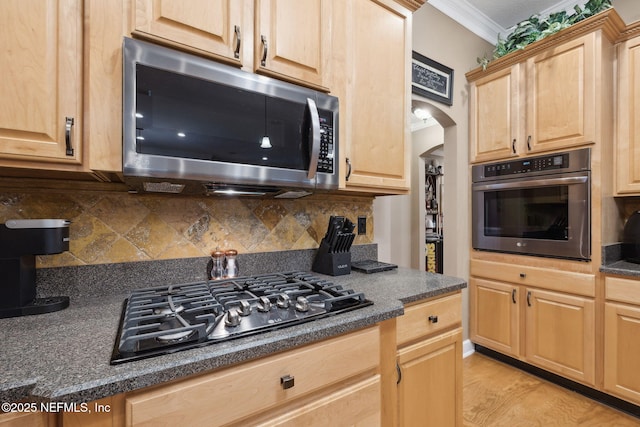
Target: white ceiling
(488,18)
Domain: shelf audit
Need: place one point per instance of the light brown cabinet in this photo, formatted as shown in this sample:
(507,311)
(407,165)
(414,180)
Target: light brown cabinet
(621,344)
(292,39)
(495,315)
(560,333)
(371,53)
(543,103)
(627,162)
(286,39)
(212,26)
(41,115)
(541,316)
(298,385)
(22,419)
(429,363)
(495,126)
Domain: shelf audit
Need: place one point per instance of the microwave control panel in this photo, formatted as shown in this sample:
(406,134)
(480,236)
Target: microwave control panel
(326,158)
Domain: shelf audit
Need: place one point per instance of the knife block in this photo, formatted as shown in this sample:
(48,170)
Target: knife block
(331,263)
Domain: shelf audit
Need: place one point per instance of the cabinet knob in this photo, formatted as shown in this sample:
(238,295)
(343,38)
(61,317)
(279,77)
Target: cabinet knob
(523,275)
(433,319)
(287,382)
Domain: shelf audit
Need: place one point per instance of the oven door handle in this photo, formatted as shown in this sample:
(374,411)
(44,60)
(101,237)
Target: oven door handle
(569,180)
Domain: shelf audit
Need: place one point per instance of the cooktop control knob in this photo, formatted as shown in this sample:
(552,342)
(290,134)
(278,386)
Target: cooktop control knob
(264,304)
(232,318)
(245,308)
(302,304)
(284,301)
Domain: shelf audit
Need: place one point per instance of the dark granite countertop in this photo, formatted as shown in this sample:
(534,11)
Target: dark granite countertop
(64,356)
(613,262)
(622,268)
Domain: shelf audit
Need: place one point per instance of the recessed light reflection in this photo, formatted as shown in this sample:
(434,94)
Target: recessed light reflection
(139,115)
(181,134)
(265,158)
(140,137)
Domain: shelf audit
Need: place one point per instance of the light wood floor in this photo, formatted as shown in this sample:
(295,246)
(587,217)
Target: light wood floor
(496,394)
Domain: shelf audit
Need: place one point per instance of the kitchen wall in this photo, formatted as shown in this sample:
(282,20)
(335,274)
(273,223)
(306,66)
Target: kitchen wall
(440,38)
(110,227)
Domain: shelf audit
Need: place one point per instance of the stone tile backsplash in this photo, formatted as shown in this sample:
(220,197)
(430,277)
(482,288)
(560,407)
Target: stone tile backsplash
(120,227)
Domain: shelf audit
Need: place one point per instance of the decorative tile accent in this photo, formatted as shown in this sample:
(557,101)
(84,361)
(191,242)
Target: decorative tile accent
(111,227)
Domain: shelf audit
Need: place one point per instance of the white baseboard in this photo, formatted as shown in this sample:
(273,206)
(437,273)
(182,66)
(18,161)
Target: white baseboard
(467,348)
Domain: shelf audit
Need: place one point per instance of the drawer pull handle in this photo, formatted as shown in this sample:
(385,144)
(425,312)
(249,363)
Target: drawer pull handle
(523,275)
(287,382)
(433,319)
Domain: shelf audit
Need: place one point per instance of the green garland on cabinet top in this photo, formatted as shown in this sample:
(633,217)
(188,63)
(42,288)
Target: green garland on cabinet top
(536,28)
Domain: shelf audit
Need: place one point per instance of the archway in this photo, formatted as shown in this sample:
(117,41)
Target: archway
(428,123)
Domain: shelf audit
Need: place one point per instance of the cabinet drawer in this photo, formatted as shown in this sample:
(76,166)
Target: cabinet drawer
(356,405)
(253,387)
(546,278)
(429,317)
(622,290)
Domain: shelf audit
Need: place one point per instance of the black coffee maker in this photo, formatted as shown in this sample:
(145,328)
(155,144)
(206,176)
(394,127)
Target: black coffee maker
(631,239)
(20,241)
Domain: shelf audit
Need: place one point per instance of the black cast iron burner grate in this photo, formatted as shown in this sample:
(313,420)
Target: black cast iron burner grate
(167,319)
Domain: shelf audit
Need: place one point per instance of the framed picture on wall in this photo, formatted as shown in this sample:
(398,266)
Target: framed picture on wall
(431,79)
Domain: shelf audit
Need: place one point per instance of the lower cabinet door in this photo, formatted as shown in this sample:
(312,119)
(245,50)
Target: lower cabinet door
(495,314)
(560,334)
(621,351)
(357,406)
(32,419)
(430,382)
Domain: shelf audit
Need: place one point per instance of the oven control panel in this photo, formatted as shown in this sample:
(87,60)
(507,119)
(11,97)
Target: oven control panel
(535,164)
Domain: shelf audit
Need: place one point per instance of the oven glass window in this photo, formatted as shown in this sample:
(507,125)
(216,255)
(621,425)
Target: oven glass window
(533,213)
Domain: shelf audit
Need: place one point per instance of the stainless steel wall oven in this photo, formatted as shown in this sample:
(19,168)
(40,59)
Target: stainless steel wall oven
(535,206)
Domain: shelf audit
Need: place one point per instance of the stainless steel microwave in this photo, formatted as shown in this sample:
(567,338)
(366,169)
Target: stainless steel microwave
(537,206)
(192,125)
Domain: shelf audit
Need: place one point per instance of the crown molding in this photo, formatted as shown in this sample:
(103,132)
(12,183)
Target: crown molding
(480,24)
(471,18)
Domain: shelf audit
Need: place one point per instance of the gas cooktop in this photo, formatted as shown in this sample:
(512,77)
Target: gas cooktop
(167,319)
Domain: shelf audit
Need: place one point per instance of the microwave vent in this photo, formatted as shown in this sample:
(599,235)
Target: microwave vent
(163,187)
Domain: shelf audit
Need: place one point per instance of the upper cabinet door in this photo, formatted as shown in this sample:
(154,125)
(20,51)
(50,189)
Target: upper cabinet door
(628,135)
(561,88)
(292,38)
(375,91)
(495,128)
(41,87)
(212,26)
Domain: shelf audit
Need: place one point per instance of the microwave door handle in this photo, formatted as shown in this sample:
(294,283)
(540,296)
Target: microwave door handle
(315,140)
(532,183)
